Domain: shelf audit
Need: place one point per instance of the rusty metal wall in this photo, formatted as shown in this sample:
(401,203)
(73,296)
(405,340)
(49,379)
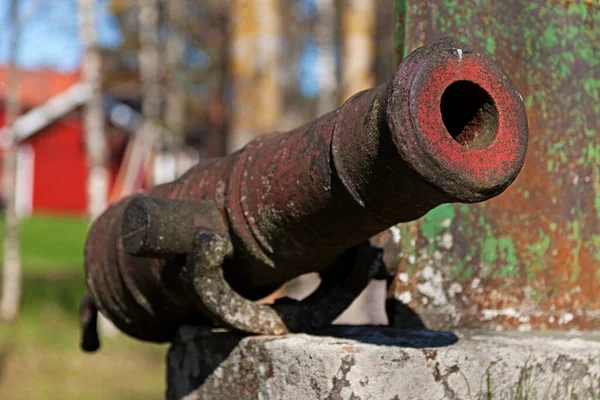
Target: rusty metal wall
(531,257)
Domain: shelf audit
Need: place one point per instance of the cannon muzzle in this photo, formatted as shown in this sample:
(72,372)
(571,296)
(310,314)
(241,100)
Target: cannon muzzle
(449,126)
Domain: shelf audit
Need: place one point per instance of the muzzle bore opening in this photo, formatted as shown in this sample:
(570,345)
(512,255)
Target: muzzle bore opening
(469,114)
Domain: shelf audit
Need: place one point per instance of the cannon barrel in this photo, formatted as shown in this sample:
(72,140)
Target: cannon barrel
(449,126)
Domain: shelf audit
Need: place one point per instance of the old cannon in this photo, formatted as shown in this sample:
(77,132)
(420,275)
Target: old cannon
(449,126)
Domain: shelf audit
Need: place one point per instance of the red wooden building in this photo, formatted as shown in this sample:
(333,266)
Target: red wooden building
(52,172)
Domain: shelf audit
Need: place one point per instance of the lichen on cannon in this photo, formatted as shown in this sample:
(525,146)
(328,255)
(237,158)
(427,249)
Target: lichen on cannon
(449,126)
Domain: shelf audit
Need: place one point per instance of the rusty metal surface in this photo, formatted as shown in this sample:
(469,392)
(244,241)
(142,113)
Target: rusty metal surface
(307,201)
(531,257)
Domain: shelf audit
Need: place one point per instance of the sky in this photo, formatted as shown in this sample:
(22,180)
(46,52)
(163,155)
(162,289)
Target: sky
(50,33)
(50,37)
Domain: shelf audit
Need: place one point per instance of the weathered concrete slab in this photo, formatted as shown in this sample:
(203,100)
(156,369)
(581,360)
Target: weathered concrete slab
(383,363)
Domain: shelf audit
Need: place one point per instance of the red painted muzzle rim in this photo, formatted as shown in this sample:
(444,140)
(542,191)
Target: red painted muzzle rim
(468,174)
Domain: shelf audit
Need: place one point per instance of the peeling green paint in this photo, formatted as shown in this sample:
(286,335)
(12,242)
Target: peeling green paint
(462,273)
(535,255)
(490,45)
(401,18)
(407,246)
(549,38)
(432,224)
(489,252)
(596,244)
(591,86)
(501,249)
(593,152)
(543,233)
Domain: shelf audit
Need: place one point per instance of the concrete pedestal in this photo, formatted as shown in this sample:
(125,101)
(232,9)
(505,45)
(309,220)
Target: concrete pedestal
(382,363)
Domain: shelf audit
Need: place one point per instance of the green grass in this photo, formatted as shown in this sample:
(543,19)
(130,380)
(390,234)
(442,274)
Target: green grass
(524,387)
(51,243)
(39,353)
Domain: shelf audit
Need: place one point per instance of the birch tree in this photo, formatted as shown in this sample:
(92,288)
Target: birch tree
(11,277)
(95,140)
(150,71)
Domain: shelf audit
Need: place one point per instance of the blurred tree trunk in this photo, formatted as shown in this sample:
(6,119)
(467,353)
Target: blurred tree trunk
(358,27)
(256,49)
(220,103)
(243,69)
(384,41)
(176,99)
(95,140)
(268,88)
(325,36)
(150,70)
(11,279)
